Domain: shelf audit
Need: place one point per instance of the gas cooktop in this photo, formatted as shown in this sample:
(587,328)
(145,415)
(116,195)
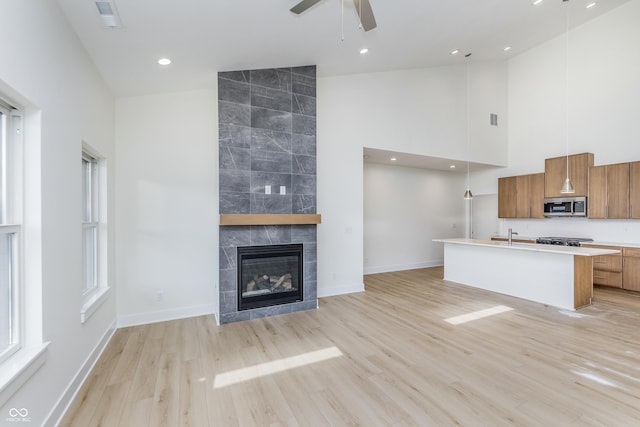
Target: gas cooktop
(563,241)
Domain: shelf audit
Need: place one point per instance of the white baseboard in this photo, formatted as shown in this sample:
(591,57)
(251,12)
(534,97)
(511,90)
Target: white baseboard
(164,315)
(402,267)
(61,407)
(340,290)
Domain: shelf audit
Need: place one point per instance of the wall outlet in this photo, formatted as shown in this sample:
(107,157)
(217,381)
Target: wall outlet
(160,296)
(283,190)
(267,189)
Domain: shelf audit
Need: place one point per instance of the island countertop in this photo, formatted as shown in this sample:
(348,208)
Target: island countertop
(554,249)
(561,276)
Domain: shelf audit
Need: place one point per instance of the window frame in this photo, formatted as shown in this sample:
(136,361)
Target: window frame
(10,220)
(94,217)
(90,222)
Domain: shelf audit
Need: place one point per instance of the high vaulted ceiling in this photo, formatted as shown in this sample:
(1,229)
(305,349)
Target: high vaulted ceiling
(203,37)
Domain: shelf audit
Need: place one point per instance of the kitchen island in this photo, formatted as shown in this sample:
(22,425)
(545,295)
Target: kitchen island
(561,276)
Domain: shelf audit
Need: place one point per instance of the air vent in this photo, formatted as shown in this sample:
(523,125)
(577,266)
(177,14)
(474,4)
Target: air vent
(108,14)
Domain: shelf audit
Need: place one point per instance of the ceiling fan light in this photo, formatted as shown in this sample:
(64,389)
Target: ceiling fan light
(567,187)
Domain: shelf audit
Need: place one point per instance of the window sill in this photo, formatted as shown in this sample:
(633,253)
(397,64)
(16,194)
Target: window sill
(92,303)
(19,368)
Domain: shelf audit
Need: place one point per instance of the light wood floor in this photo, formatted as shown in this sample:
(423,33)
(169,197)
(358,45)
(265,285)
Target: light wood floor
(399,363)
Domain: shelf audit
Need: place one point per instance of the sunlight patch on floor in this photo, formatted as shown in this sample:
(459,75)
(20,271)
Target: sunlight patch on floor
(593,377)
(475,315)
(263,369)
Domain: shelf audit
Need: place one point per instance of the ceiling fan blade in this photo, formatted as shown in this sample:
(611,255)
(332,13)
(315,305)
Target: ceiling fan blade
(367,19)
(302,6)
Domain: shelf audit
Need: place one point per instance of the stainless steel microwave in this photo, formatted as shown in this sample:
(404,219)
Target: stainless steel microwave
(565,206)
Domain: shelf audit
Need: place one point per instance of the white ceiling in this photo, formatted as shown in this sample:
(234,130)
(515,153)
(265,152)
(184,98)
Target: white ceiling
(384,157)
(203,37)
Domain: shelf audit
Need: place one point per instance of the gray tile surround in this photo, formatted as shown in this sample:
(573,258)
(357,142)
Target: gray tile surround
(267,136)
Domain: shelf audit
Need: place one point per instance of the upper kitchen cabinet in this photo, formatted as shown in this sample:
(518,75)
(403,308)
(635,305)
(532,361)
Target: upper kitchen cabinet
(555,170)
(507,197)
(530,196)
(609,191)
(521,196)
(634,190)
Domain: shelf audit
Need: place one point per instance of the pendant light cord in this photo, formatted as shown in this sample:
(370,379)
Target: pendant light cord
(468,128)
(566,97)
(342,20)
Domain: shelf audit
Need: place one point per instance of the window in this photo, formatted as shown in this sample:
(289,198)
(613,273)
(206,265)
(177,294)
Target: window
(22,351)
(94,231)
(90,220)
(10,227)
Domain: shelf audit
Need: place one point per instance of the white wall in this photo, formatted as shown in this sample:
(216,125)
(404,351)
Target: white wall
(47,70)
(415,111)
(404,209)
(604,112)
(167,196)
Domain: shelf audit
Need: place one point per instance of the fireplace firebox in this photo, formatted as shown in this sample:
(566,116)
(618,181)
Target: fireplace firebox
(269,275)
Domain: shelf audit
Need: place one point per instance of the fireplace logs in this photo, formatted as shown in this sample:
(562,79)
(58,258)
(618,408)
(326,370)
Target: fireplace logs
(266,284)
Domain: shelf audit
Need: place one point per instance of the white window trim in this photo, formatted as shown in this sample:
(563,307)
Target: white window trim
(93,302)
(95,297)
(17,297)
(19,368)
(31,354)
(11,220)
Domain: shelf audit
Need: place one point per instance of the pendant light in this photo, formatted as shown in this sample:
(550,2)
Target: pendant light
(467,194)
(567,186)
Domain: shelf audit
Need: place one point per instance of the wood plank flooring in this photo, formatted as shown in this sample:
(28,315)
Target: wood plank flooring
(399,362)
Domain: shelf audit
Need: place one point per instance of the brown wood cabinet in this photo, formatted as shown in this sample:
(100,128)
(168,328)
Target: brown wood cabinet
(609,191)
(634,190)
(617,270)
(555,170)
(607,269)
(507,197)
(530,196)
(521,196)
(631,269)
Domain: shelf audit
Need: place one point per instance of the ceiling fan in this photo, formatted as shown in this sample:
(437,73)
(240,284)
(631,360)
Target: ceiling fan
(363,7)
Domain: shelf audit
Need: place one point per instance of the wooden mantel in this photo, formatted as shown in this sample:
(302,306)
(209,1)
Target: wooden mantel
(269,219)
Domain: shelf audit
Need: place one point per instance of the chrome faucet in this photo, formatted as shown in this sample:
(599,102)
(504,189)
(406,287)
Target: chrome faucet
(511,233)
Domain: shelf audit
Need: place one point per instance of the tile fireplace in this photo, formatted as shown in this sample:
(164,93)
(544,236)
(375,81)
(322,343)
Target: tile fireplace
(267,166)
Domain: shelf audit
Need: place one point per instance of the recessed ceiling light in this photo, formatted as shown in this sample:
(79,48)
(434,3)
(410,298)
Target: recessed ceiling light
(590,5)
(452,166)
(393,159)
(507,48)
(164,61)
(455,51)
(535,2)
(363,51)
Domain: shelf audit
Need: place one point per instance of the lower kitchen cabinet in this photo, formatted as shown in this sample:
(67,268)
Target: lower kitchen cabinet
(607,269)
(619,270)
(631,269)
